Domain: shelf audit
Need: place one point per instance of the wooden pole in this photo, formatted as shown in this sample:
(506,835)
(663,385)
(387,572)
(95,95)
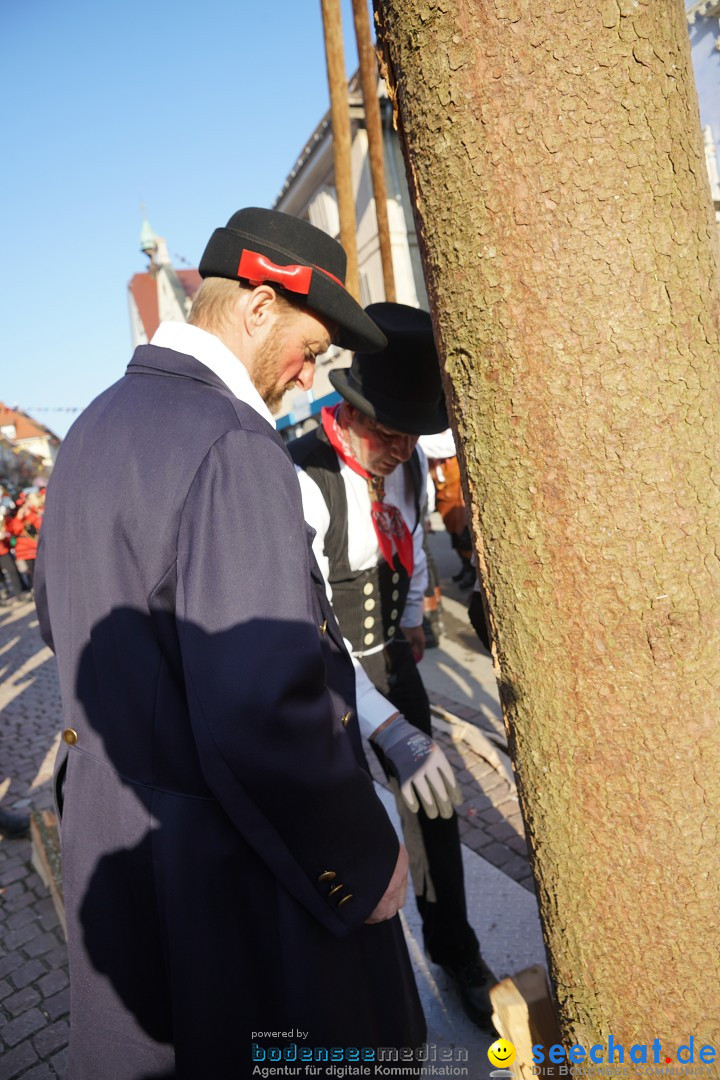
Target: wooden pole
(340,114)
(373,125)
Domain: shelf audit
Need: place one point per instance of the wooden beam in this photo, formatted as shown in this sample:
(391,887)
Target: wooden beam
(340,115)
(46,857)
(523,1013)
(373,125)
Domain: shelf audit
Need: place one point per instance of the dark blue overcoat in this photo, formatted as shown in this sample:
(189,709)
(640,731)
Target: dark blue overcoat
(213,779)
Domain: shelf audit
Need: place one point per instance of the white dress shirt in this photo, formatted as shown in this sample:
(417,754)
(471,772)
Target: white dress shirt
(210,351)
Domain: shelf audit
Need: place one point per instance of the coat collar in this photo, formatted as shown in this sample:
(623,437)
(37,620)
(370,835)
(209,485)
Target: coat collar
(151,359)
(212,353)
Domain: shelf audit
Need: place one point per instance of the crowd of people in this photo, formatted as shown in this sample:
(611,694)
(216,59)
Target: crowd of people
(21,514)
(247,612)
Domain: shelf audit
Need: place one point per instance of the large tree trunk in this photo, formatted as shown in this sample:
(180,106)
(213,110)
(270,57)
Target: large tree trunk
(555,157)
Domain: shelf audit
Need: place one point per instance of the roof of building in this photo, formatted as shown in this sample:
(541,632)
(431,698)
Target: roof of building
(25,426)
(355,98)
(190,281)
(144,292)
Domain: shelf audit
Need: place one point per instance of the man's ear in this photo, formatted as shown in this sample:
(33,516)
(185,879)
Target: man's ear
(260,308)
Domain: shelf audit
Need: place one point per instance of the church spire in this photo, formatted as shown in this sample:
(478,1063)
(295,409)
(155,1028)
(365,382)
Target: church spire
(148,238)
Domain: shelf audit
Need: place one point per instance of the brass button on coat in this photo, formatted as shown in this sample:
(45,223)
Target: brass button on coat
(345,899)
(345,719)
(323,627)
(70,736)
(327,875)
(335,888)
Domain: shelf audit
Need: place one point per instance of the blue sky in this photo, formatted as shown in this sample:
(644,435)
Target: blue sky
(193,109)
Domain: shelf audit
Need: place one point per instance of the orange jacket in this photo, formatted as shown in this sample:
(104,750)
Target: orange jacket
(26,545)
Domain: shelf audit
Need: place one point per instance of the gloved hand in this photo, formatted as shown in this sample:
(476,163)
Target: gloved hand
(422,773)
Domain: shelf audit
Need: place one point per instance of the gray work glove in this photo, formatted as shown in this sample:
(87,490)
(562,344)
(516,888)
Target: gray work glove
(422,774)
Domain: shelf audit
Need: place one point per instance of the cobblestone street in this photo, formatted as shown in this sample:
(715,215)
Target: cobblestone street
(34,998)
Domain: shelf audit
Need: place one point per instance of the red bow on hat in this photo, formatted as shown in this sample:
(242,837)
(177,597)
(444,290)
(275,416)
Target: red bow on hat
(258,268)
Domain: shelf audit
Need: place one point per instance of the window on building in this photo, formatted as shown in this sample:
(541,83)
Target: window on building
(323,211)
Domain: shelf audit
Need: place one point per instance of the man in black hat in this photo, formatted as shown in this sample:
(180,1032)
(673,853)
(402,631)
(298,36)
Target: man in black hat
(363,486)
(231,880)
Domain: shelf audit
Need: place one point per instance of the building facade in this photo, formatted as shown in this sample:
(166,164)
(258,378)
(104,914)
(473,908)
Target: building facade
(703,19)
(27,448)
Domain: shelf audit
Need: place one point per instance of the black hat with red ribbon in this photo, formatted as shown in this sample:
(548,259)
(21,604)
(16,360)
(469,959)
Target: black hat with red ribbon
(400,386)
(302,262)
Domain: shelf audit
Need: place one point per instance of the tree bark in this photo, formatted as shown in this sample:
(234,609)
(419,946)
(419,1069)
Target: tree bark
(562,204)
(342,142)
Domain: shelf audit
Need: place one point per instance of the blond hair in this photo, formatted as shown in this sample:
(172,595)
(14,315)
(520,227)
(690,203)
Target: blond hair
(214,303)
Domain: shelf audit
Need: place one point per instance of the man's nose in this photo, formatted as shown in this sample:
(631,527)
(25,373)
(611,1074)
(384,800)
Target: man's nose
(306,376)
(403,446)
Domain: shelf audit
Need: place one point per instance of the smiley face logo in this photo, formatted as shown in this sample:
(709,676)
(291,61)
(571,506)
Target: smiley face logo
(501,1053)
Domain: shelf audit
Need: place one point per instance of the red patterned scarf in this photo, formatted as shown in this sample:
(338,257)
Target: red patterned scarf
(392,533)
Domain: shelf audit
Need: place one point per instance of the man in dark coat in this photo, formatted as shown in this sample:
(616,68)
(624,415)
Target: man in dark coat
(363,485)
(231,879)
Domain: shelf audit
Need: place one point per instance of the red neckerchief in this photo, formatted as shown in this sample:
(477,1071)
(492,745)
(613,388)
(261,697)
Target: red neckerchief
(392,533)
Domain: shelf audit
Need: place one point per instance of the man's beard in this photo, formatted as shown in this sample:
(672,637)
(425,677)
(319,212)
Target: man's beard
(265,374)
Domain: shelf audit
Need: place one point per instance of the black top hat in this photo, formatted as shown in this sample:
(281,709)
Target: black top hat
(302,262)
(400,386)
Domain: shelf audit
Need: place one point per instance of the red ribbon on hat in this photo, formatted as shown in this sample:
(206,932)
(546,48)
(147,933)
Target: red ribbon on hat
(258,268)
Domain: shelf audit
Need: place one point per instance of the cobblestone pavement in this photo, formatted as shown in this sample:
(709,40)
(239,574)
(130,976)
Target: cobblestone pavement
(490,820)
(489,816)
(34,999)
(34,996)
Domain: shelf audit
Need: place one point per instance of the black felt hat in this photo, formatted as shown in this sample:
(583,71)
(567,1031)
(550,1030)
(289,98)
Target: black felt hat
(301,262)
(399,387)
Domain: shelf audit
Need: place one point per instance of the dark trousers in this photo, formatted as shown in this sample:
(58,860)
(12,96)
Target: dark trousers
(433,843)
(11,578)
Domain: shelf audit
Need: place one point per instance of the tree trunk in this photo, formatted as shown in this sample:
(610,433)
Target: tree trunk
(562,203)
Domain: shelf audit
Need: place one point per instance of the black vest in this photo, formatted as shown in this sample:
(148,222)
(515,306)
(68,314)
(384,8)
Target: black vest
(368,604)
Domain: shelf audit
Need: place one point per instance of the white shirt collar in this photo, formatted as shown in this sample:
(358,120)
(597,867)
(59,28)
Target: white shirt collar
(210,351)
